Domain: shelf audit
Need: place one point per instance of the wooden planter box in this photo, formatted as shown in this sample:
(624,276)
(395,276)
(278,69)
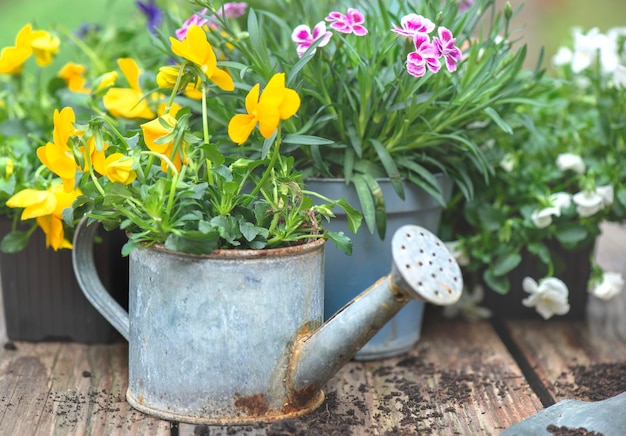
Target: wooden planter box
(42,299)
(571,266)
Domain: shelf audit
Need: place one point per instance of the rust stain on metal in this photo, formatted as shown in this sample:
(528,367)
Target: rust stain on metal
(140,399)
(253,405)
(301,399)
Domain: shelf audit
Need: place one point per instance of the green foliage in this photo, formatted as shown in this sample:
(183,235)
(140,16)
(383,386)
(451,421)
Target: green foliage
(578,114)
(377,120)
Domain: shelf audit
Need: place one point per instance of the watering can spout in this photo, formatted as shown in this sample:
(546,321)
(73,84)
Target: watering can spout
(422,269)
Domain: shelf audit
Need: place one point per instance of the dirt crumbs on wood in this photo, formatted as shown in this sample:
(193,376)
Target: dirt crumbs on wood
(419,398)
(569,431)
(593,382)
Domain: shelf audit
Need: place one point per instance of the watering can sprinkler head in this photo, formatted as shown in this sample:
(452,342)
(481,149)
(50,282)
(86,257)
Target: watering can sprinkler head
(423,268)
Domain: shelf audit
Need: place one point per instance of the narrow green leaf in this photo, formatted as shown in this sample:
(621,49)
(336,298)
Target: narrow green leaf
(498,120)
(506,263)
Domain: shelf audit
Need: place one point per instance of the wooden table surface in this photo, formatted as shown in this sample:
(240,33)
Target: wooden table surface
(461,379)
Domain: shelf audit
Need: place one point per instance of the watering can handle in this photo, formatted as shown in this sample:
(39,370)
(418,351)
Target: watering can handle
(89,281)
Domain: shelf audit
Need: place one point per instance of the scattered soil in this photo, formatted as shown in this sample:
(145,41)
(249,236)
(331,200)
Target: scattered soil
(593,382)
(10,346)
(569,431)
(412,404)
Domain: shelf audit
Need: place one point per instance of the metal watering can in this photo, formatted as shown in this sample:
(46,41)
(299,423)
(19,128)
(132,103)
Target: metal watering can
(236,336)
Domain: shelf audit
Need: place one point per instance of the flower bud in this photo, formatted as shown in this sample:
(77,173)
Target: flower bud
(6,167)
(508,11)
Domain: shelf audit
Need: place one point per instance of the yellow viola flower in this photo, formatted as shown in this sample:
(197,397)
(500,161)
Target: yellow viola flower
(94,155)
(47,207)
(130,102)
(117,167)
(13,58)
(197,49)
(153,131)
(166,79)
(45,46)
(276,103)
(72,73)
(56,155)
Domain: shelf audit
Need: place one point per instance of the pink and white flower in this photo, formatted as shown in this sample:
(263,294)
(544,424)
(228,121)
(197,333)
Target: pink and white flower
(444,47)
(412,24)
(304,37)
(233,9)
(424,56)
(194,20)
(352,22)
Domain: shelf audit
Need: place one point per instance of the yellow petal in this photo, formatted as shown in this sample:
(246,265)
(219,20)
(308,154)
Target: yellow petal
(35,203)
(55,235)
(130,70)
(252,99)
(127,103)
(240,127)
(12,59)
(269,118)
(290,104)
(119,169)
(222,79)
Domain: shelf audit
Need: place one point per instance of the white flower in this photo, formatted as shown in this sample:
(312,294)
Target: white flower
(570,161)
(619,77)
(589,203)
(610,285)
(456,251)
(543,217)
(562,200)
(508,162)
(549,297)
(563,57)
(588,46)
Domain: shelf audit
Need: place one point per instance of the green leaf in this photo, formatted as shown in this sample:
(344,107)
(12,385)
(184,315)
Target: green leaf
(306,140)
(498,120)
(571,234)
(540,250)
(499,284)
(14,242)
(366,201)
(342,241)
(390,167)
(505,263)
(353,216)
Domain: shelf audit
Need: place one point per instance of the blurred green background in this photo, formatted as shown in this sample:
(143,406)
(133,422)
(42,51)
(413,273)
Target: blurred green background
(544,23)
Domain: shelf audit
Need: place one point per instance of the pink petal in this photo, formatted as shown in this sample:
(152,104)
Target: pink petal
(301,33)
(355,16)
(359,30)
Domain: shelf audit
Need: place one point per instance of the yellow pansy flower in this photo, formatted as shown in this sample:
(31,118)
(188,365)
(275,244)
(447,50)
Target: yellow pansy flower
(47,207)
(153,131)
(197,49)
(12,58)
(166,79)
(72,73)
(130,102)
(56,155)
(117,167)
(276,103)
(45,46)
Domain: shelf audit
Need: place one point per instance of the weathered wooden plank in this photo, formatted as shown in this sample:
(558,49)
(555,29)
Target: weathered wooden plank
(571,360)
(54,388)
(459,380)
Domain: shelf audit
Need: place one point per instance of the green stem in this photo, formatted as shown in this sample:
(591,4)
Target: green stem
(268,170)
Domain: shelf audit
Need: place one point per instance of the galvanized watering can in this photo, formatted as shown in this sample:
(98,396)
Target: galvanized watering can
(237,337)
